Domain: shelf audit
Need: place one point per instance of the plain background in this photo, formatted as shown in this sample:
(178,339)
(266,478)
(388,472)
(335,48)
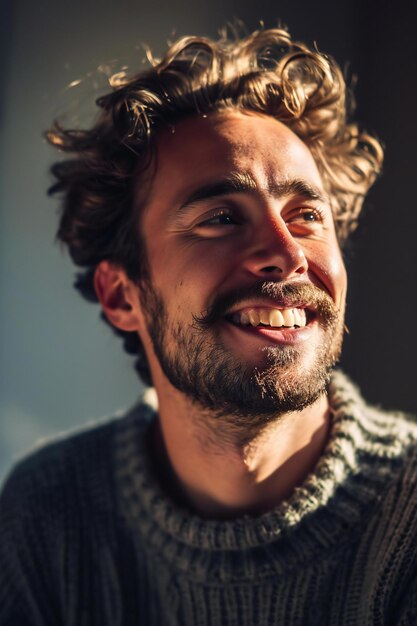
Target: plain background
(60,366)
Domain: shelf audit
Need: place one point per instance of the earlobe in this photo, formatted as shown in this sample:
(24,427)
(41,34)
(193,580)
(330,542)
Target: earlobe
(116,295)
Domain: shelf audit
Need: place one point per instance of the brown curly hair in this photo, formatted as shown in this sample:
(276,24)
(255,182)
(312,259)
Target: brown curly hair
(265,72)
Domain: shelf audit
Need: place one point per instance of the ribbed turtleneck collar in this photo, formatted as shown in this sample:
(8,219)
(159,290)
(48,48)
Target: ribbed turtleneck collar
(365,451)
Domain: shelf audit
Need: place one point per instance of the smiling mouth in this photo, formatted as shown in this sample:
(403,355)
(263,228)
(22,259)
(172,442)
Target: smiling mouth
(272,318)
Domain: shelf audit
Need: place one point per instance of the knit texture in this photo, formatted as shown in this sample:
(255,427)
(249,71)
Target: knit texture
(88,536)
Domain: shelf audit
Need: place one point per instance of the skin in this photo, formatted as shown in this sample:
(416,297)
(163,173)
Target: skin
(213,247)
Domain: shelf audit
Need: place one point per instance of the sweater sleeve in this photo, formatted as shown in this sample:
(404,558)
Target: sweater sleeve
(27,539)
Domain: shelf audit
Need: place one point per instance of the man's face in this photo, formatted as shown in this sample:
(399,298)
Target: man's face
(244,302)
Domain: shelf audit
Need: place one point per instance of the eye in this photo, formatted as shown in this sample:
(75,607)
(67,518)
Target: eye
(306,215)
(220,217)
(309,216)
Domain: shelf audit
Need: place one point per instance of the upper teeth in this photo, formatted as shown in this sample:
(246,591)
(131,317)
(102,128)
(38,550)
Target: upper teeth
(271,317)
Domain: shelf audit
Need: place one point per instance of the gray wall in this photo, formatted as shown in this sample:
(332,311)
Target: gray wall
(60,366)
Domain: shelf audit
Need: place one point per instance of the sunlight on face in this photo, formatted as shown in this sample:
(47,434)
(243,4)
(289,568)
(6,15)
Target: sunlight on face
(238,227)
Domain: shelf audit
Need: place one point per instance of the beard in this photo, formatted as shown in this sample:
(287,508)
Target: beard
(197,363)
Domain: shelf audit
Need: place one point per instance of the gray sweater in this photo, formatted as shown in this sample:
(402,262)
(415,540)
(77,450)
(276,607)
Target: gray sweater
(88,537)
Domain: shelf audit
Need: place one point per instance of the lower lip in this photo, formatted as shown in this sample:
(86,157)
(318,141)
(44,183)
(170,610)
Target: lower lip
(284,336)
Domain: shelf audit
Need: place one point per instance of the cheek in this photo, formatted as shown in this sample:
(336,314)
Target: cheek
(192,265)
(338,278)
(327,266)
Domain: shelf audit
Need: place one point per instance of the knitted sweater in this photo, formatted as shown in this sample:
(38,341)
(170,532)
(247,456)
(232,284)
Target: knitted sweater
(88,537)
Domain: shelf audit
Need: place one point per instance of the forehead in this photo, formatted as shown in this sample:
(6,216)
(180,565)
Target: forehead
(200,149)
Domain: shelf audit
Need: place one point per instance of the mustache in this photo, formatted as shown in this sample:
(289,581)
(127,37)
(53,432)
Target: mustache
(293,294)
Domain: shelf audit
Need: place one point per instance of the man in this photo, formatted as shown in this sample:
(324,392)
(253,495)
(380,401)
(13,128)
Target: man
(207,206)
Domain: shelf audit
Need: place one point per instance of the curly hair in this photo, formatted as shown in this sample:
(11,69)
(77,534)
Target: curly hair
(265,72)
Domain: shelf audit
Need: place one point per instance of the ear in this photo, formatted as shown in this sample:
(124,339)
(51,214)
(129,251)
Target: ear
(117,296)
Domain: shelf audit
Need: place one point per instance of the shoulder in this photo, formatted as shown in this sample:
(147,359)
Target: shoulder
(379,447)
(385,434)
(73,470)
(51,492)
(58,511)
(57,462)
(42,502)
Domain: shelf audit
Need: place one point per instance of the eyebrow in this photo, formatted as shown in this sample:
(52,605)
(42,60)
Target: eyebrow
(239,182)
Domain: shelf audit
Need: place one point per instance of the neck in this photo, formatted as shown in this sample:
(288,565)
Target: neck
(220,474)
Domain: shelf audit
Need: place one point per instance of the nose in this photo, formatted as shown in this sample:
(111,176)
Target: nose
(275,252)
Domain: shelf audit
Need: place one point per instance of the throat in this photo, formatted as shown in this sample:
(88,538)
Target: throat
(218,478)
